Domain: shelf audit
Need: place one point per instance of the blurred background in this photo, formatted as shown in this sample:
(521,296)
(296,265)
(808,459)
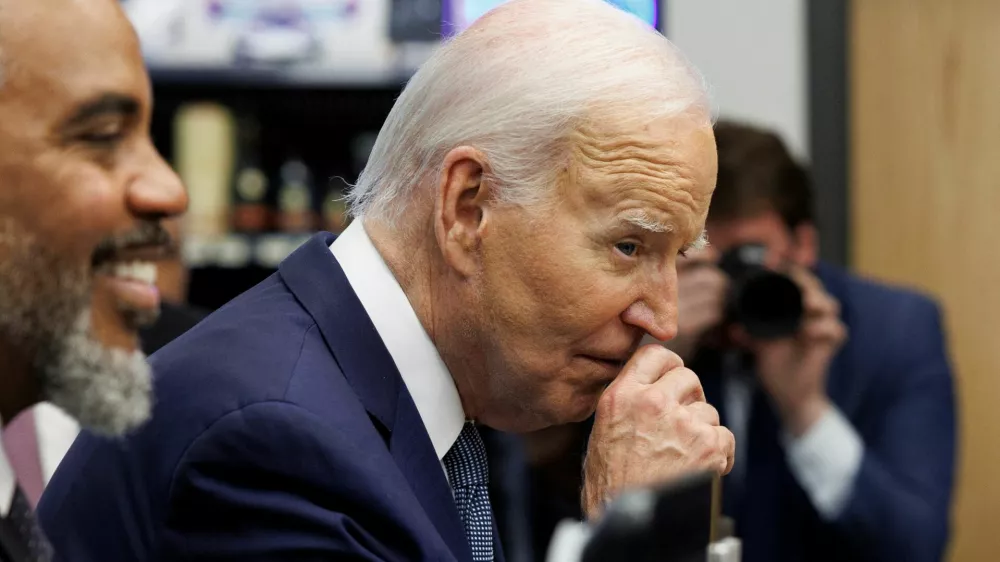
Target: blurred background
(268,109)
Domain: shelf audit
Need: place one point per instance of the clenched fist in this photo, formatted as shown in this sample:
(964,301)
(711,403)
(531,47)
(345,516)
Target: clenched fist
(652,425)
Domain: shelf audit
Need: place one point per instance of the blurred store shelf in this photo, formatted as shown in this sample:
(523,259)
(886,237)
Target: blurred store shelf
(278,78)
(236,251)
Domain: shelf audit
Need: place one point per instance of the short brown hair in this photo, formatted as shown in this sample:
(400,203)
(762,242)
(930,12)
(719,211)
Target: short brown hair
(758,174)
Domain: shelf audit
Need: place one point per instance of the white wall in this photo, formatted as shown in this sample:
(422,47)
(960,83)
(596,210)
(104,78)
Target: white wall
(753,53)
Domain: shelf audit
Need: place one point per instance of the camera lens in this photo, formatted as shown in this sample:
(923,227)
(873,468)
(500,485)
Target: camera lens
(767,304)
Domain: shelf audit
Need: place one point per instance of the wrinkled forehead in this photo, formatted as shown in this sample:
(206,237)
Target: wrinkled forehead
(57,53)
(665,167)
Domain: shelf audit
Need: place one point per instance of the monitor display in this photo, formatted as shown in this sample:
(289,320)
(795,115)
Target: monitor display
(459,14)
(309,40)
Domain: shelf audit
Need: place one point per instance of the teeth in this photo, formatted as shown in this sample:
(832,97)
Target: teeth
(142,271)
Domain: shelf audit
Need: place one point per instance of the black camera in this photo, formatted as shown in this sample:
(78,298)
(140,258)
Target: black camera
(766,303)
(671,522)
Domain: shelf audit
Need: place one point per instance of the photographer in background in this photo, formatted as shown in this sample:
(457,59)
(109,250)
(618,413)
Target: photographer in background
(845,430)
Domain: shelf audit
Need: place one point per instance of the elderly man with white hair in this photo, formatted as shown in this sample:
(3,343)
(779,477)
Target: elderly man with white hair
(518,229)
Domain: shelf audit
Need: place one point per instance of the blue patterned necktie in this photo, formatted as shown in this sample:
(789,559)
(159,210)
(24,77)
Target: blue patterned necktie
(469,475)
(23,532)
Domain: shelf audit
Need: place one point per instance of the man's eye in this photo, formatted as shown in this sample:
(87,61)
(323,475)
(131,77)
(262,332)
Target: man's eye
(105,135)
(627,248)
(102,139)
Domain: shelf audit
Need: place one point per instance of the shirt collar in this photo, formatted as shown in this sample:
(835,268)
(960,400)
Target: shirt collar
(423,371)
(8,481)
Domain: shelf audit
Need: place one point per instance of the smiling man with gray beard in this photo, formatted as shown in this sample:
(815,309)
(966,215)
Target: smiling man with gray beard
(82,194)
(46,314)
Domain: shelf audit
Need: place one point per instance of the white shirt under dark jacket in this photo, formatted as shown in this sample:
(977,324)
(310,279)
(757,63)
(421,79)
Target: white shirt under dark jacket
(55,433)
(824,460)
(8,482)
(423,371)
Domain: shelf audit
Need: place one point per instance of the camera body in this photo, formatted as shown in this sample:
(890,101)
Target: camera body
(766,303)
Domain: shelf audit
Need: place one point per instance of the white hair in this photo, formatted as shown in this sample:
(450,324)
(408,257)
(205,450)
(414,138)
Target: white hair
(515,85)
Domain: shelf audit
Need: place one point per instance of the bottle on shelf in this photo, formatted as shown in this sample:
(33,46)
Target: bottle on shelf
(250,212)
(204,146)
(295,198)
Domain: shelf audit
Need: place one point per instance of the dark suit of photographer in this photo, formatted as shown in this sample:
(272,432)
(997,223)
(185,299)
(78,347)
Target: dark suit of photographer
(845,430)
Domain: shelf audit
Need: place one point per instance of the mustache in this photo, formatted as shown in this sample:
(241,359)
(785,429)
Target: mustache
(147,235)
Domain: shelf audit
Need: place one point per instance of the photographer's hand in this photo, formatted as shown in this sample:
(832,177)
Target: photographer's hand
(701,292)
(793,370)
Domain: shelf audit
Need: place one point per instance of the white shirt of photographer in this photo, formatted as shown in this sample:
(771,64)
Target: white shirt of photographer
(825,459)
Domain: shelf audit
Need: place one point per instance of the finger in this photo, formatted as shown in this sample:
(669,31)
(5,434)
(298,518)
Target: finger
(702,279)
(703,412)
(816,301)
(649,363)
(701,297)
(700,312)
(681,386)
(826,329)
(728,447)
(816,305)
(805,278)
(704,271)
(707,255)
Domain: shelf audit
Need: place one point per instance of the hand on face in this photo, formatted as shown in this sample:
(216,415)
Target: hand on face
(793,370)
(652,425)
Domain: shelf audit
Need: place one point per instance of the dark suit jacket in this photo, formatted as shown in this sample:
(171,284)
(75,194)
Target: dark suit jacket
(174,320)
(282,431)
(892,380)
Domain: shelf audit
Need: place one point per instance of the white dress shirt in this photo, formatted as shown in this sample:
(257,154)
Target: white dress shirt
(55,432)
(423,371)
(8,483)
(825,459)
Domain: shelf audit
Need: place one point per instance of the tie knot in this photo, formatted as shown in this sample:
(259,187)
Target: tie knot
(466,460)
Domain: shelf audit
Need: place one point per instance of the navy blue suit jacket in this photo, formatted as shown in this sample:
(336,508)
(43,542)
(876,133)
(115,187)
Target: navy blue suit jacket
(282,431)
(892,380)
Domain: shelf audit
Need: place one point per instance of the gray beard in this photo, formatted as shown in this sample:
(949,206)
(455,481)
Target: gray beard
(45,311)
(107,390)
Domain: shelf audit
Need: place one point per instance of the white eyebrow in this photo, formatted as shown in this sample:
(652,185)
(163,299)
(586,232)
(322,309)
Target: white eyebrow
(701,242)
(644,221)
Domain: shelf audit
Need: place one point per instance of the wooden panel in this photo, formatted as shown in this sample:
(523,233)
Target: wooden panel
(925,198)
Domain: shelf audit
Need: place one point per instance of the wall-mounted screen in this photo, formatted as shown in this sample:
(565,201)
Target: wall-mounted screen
(459,14)
(295,40)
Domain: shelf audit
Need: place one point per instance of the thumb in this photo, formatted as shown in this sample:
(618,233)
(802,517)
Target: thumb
(649,364)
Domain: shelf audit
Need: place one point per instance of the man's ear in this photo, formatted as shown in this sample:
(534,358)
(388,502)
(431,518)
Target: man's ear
(806,249)
(461,208)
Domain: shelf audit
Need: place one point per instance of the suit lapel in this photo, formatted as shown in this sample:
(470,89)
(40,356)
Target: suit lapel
(413,451)
(318,282)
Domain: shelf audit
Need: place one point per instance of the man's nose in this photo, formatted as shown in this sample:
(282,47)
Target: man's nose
(656,311)
(156,191)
